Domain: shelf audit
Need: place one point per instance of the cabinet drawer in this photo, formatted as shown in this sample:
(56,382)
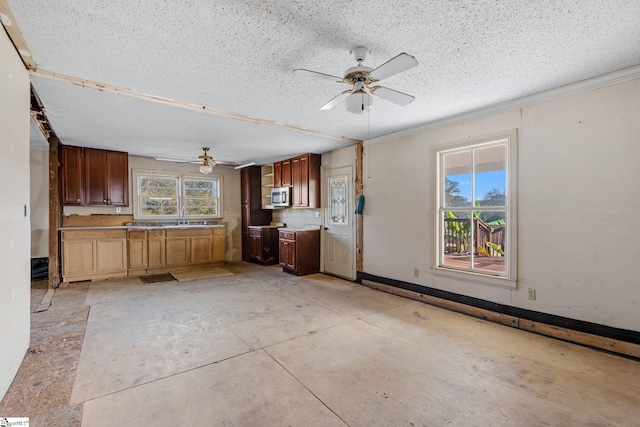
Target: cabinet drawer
(94,234)
(137,234)
(155,234)
(189,232)
(221,231)
(255,232)
(288,235)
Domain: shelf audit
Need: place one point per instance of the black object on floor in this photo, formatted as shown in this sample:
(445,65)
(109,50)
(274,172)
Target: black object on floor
(156,278)
(39,269)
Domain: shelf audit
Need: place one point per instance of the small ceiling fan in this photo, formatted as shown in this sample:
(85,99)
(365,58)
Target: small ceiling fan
(364,82)
(206,162)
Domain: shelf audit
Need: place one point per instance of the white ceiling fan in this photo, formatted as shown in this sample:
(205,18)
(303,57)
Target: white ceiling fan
(206,162)
(364,82)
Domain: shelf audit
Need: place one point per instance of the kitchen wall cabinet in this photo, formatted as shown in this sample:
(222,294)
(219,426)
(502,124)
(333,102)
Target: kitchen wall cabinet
(251,198)
(92,177)
(282,173)
(72,193)
(263,245)
(305,178)
(94,254)
(299,251)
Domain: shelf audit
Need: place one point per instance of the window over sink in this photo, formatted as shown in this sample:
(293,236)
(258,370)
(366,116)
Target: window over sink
(169,196)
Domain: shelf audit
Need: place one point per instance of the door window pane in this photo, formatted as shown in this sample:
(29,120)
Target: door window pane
(338,199)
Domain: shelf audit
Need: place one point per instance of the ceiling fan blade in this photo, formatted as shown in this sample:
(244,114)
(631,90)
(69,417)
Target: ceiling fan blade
(224,163)
(395,65)
(317,75)
(335,101)
(391,95)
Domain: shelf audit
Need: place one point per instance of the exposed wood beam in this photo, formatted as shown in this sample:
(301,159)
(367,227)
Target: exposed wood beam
(181,104)
(15,35)
(359,218)
(55,210)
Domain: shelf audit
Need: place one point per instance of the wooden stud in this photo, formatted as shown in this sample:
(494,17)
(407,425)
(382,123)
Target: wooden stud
(55,212)
(180,104)
(11,26)
(359,218)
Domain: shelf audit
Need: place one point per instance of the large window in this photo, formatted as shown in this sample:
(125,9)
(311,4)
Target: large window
(476,207)
(166,196)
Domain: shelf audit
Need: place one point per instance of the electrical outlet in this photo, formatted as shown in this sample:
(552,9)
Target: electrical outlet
(118,209)
(531,292)
(416,272)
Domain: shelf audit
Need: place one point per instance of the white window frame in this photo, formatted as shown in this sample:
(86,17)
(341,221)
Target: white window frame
(137,214)
(509,278)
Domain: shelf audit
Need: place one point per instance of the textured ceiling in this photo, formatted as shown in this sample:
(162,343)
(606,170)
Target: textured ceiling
(238,56)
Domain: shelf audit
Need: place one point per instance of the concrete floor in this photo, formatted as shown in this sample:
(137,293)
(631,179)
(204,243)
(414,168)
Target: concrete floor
(266,348)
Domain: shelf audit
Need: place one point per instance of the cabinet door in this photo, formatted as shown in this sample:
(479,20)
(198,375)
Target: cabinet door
(178,250)
(112,255)
(79,257)
(286,173)
(117,178)
(137,244)
(255,247)
(300,181)
(201,249)
(219,244)
(288,254)
(95,177)
(277,174)
(156,252)
(71,175)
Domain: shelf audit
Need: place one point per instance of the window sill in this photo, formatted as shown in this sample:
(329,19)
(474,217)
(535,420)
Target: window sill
(478,278)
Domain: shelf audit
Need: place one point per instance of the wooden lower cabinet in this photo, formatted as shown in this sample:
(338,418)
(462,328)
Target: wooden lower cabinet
(178,250)
(93,254)
(156,249)
(300,251)
(263,245)
(146,250)
(219,244)
(99,254)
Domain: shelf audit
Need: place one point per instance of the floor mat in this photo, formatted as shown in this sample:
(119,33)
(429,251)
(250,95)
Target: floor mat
(157,278)
(205,273)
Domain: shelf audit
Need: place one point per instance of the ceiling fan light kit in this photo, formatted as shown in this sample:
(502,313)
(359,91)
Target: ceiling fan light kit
(206,167)
(359,98)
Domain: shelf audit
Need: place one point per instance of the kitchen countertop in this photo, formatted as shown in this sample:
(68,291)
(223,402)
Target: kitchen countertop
(146,227)
(304,228)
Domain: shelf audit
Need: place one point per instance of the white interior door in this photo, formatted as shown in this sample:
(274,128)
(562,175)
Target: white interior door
(339,222)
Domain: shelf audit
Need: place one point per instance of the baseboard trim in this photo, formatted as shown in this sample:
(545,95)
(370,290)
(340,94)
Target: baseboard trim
(616,340)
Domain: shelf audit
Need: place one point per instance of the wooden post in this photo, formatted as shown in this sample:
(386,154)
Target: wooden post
(55,213)
(359,218)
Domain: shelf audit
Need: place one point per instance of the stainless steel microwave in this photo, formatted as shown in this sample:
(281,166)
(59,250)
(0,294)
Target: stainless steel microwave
(281,196)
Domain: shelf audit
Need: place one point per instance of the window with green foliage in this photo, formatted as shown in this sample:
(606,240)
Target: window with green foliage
(161,196)
(476,202)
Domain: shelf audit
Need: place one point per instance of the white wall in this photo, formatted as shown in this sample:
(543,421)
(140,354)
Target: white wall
(578,206)
(15,292)
(39,197)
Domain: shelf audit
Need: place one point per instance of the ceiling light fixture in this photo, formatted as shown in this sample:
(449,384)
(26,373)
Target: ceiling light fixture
(360,100)
(206,166)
